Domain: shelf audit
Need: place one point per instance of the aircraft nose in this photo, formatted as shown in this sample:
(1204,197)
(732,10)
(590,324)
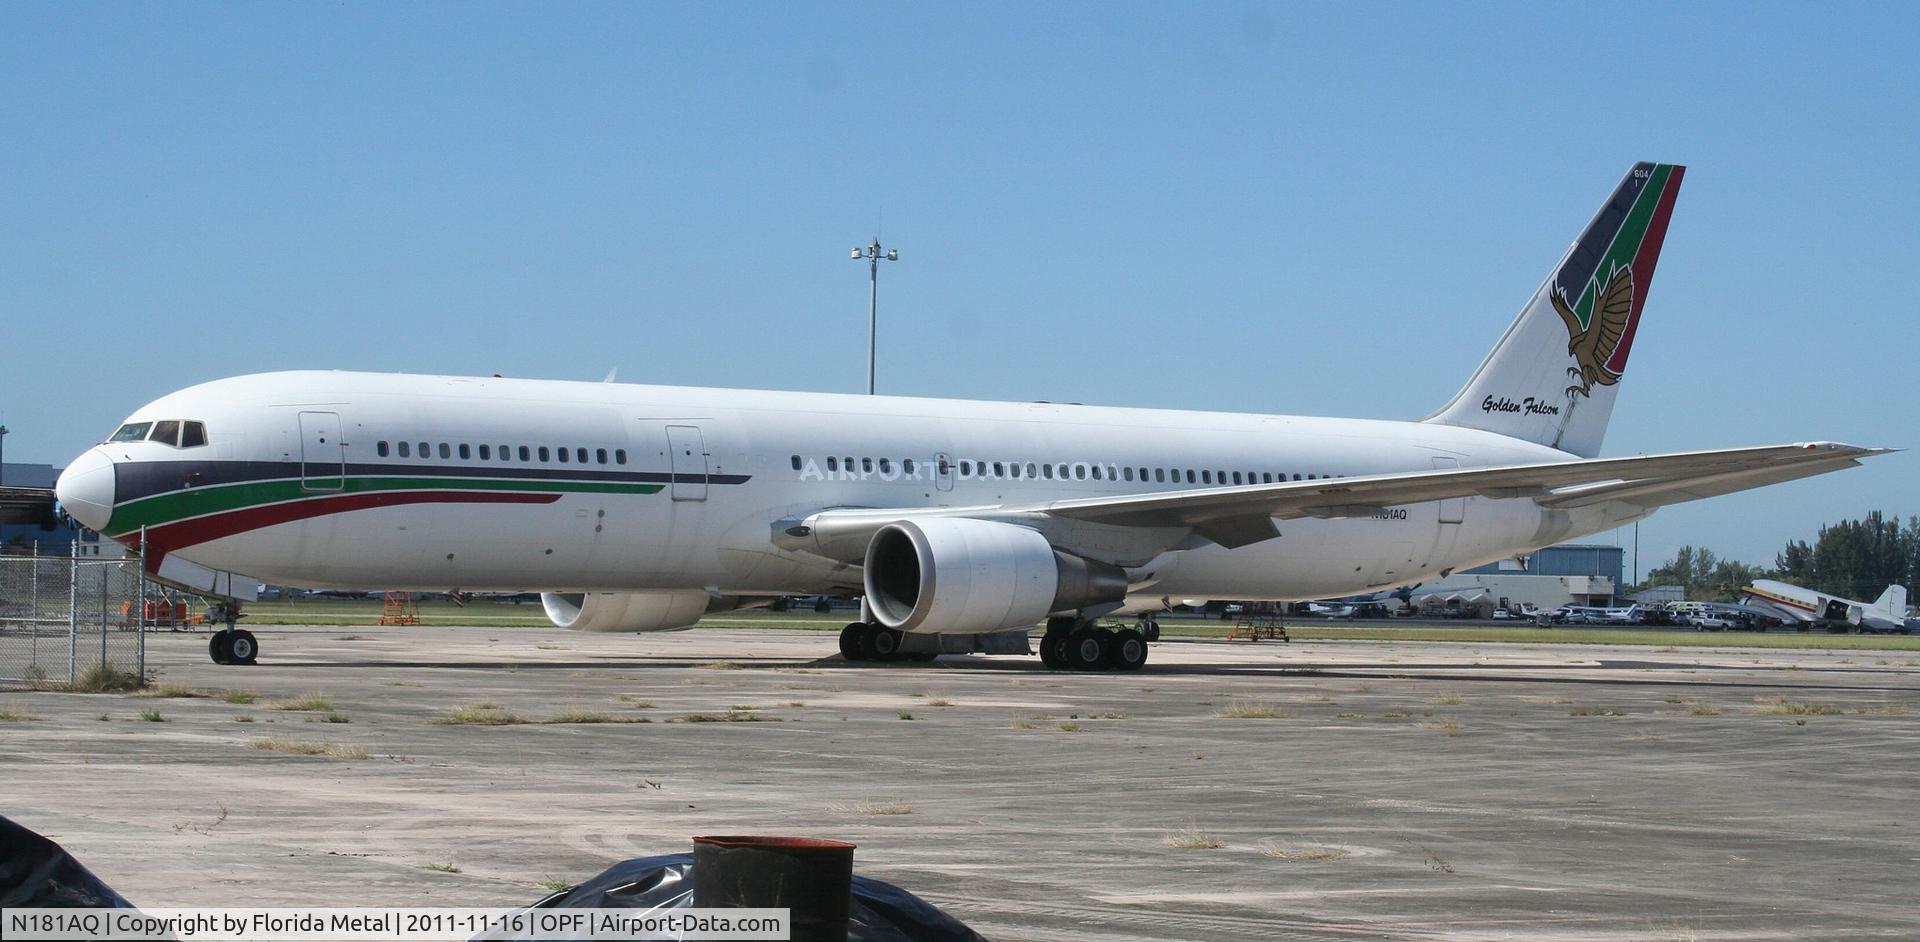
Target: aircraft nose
(86,489)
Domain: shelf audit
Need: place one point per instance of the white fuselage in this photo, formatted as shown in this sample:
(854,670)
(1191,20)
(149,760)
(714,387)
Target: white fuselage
(708,473)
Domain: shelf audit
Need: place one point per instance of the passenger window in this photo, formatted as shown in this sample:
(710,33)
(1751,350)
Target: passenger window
(193,434)
(580,453)
(966,469)
(466,452)
(1189,475)
(1031,470)
(886,466)
(796,462)
(866,465)
(543,454)
(563,455)
(906,464)
(619,456)
(1206,477)
(525,453)
(405,451)
(1047,470)
(380,449)
(1160,475)
(833,464)
(1079,472)
(999,470)
(1236,477)
(1063,473)
(506,453)
(446,450)
(166,432)
(1266,477)
(132,432)
(1096,472)
(486,453)
(425,452)
(599,456)
(1296,475)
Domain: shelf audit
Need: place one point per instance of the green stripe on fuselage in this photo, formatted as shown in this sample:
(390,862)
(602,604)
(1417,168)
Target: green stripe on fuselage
(175,506)
(1626,242)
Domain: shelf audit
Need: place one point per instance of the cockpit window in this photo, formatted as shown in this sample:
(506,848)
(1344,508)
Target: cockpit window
(193,434)
(166,432)
(132,432)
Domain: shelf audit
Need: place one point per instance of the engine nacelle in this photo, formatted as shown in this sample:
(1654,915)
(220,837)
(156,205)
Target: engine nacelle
(953,575)
(625,611)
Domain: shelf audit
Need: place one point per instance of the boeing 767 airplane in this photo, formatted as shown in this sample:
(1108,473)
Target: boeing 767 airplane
(961,523)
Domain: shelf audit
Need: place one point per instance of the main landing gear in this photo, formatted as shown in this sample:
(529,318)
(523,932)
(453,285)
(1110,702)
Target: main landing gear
(862,641)
(230,645)
(1081,645)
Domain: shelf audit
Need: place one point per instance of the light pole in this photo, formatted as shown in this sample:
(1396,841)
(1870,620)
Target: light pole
(3,453)
(873,254)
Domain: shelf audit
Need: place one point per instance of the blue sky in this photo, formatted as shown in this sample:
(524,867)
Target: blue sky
(1327,209)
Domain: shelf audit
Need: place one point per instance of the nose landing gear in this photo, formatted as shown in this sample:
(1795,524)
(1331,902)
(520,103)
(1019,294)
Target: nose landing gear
(230,645)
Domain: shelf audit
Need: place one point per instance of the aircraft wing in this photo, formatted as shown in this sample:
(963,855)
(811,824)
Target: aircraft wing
(30,505)
(1242,515)
(1236,516)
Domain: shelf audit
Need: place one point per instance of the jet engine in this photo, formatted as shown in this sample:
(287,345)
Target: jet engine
(939,575)
(627,611)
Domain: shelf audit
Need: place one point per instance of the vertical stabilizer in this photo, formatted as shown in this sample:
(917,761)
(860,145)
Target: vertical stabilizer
(1892,603)
(1553,376)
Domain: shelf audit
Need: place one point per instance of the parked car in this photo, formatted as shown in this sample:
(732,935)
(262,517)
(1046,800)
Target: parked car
(1712,621)
(1501,614)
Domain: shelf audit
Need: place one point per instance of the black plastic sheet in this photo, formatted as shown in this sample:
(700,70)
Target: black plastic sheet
(880,912)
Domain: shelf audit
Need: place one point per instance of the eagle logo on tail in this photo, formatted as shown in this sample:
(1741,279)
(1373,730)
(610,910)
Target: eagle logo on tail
(1593,346)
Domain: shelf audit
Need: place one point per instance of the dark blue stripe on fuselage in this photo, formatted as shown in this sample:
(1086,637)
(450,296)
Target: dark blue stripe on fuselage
(138,479)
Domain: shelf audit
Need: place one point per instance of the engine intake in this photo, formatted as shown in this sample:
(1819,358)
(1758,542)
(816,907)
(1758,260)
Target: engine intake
(941,575)
(626,611)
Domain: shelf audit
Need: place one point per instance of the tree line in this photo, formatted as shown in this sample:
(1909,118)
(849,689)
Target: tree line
(1853,558)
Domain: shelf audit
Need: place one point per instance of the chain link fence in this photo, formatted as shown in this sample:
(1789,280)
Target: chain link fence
(63,617)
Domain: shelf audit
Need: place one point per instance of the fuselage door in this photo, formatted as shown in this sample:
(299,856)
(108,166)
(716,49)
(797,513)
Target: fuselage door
(688,452)
(943,471)
(323,456)
(1453,509)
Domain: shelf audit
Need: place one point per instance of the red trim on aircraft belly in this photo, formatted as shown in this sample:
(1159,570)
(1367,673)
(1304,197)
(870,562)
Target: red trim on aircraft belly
(175,536)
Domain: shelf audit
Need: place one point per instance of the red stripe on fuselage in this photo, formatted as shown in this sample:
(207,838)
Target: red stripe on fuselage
(1643,263)
(174,536)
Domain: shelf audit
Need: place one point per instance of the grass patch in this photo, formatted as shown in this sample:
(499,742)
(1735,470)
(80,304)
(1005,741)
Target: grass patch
(1781,706)
(1703,709)
(174,691)
(1023,723)
(309,703)
(875,808)
(1589,710)
(939,702)
(1310,853)
(336,718)
(1346,716)
(904,714)
(1884,709)
(15,716)
(1446,699)
(554,885)
(1394,715)
(1192,838)
(581,716)
(1068,727)
(1251,710)
(100,678)
(733,715)
(239,696)
(1445,724)
(440,867)
(243,717)
(719,666)
(152,716)
(638,703)
(293,747)
(478,714)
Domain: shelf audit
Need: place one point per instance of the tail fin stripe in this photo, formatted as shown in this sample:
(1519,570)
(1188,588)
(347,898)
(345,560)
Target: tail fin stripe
(1643,262)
